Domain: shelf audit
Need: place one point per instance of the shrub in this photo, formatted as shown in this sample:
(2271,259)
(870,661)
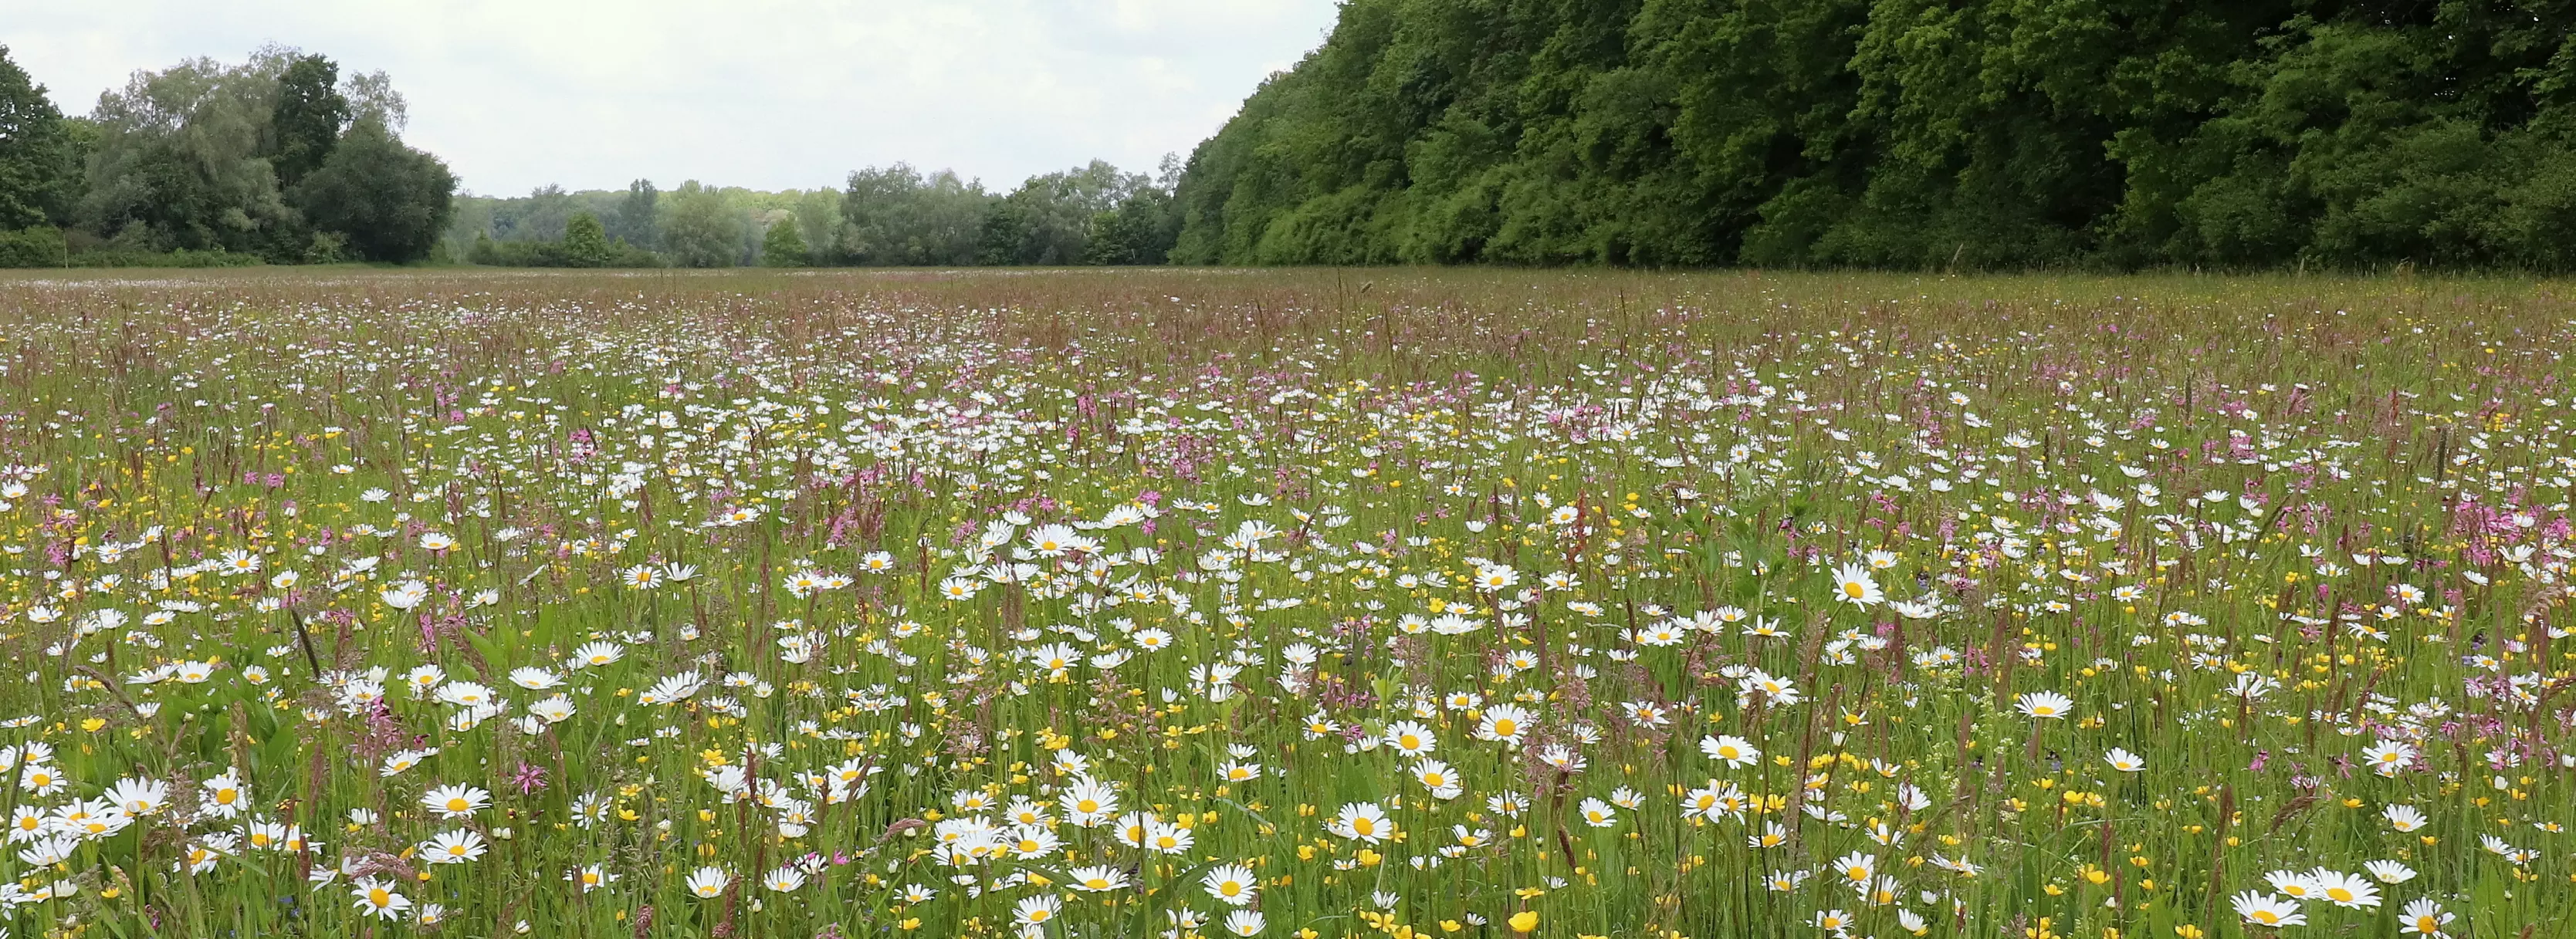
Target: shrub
(41,246)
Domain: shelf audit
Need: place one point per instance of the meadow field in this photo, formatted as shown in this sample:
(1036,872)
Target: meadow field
(1311,604)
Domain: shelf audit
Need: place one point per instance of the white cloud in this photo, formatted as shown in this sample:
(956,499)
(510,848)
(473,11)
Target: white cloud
(769,94)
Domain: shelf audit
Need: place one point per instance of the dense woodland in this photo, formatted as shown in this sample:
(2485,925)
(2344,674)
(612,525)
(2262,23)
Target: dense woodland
(1909,134)
(1660,133)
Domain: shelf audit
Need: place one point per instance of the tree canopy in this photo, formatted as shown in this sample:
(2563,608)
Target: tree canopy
(585,242)
(782,246)
(896,215)
(389,200)
(278,157)
(39,153)
(634,218)
(701,230)
(181,162)
(307,120)
(1906,133)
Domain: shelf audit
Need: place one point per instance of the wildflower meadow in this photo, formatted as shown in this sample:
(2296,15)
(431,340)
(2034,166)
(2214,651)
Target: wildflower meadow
(1294,605)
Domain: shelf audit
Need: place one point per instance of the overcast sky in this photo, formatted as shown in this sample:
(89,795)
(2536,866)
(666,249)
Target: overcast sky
(770,94)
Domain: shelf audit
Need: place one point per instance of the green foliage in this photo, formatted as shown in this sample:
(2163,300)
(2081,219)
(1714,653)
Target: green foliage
(490,252)
(327,247)
(782,246)
(530,230)
(389,199)
(1904,133)
(39,246)
(39,153)
(180,160)
(177,257)
(371,96)
(895,215)
(548,211)
(1049,219)
(702,230)
(494,253)
(539,216)
(1139,231)
(306,124)
(1093,214)
(818,215)
(585,242)
(634,220)
(276,158)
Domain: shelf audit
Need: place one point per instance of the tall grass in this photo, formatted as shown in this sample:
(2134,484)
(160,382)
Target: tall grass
(303,549)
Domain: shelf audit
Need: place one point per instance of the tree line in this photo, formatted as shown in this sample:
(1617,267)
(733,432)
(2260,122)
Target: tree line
(894,215)
(278,159)
(282,160)
(1907,133)
(1919,134)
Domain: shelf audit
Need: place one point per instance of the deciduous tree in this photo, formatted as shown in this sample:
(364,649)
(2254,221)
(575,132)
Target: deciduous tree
(39,156)
(390,200)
